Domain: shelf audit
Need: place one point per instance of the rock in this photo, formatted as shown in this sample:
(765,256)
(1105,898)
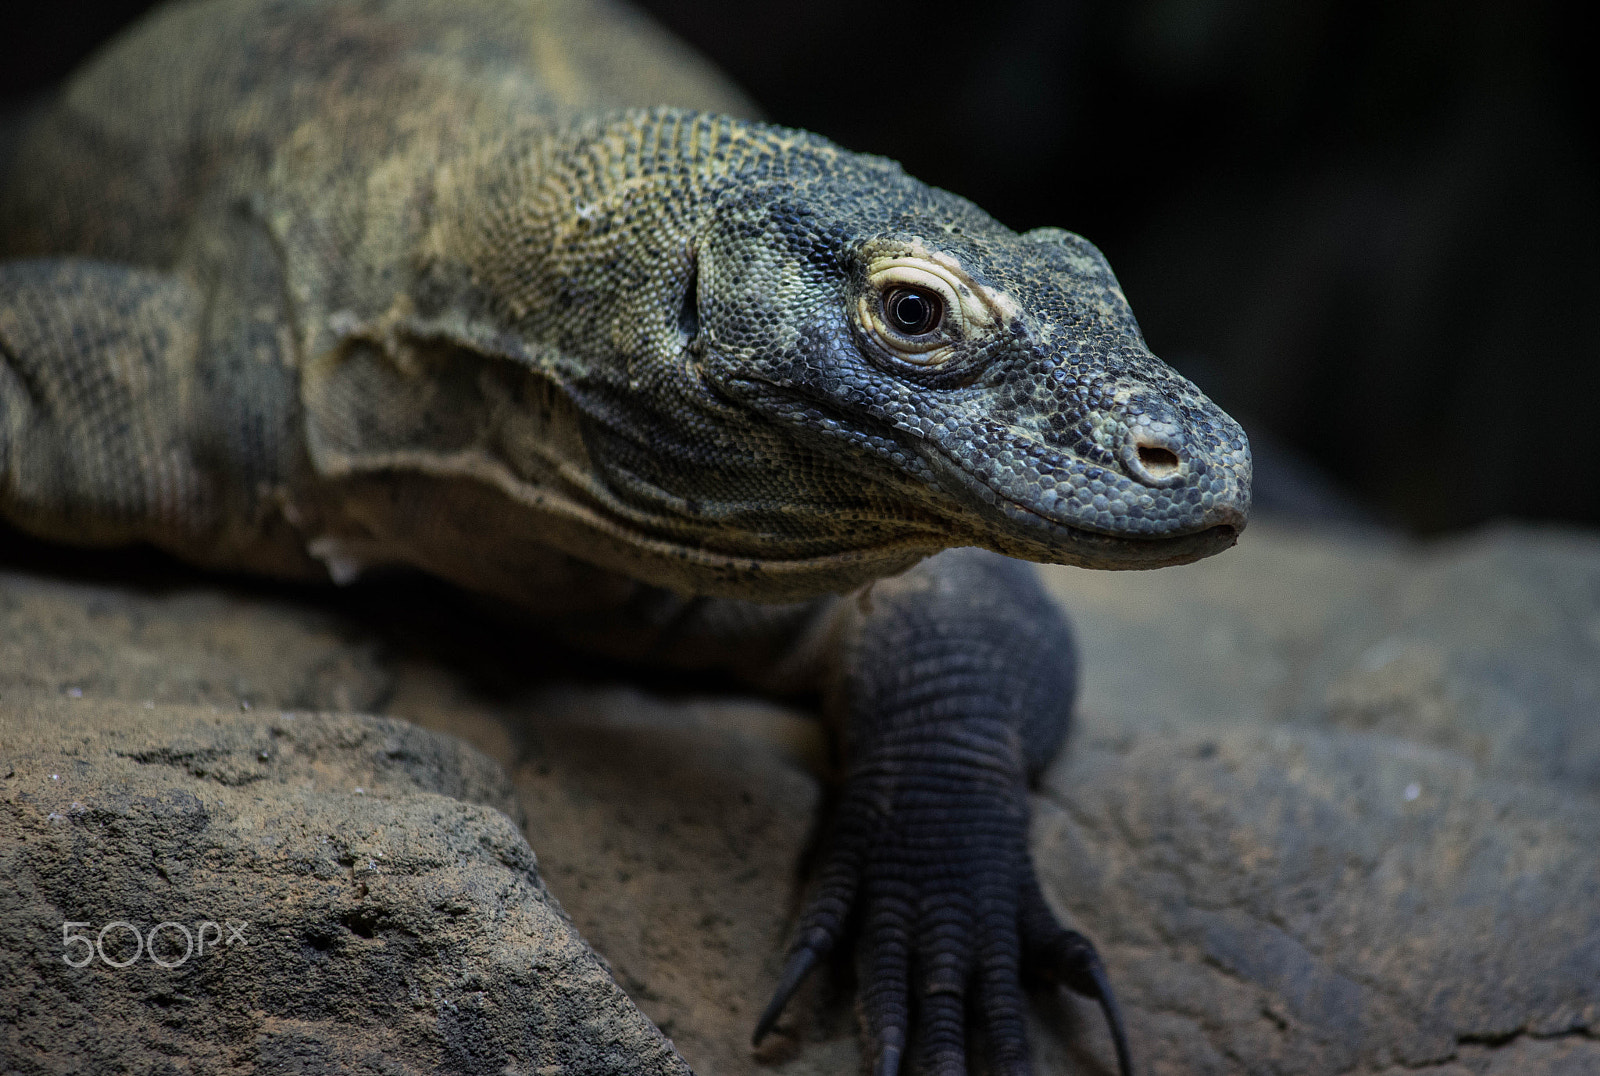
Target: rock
(1335,807)
(1486,646)
(185,643)
(1333,804)
(704,816)
(1321,903)
(296,893)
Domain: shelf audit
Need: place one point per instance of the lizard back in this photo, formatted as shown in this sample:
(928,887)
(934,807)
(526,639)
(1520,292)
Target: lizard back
(120,164)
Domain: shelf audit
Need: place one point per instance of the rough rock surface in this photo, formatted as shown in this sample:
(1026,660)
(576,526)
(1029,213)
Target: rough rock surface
(334,893)
(1333,807)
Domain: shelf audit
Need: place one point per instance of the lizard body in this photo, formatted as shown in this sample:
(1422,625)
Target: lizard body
(508,292)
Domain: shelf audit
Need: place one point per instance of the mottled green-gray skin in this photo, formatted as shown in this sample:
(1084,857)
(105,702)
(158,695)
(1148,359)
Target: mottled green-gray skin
(502,290)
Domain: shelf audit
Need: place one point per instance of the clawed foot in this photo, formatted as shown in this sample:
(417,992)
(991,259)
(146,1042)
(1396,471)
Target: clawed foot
(951,916)
(1066,957)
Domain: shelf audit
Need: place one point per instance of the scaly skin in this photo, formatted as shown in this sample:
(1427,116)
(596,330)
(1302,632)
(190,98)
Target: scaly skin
(299,288)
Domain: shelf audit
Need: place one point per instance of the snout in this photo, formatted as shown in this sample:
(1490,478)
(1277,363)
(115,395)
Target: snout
(1194,457)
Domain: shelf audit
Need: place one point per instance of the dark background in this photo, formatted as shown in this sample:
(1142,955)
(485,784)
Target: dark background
(1370,230)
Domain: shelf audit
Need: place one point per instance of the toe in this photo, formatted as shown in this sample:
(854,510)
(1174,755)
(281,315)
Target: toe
(1067,957)
(945,930)
(1001,1004)
(821,926)
(885,966)
(941,1032)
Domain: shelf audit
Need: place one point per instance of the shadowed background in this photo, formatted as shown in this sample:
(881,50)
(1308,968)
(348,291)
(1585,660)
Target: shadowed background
(1369,230)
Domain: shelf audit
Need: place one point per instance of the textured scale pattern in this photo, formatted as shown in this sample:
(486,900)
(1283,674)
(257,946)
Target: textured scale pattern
(515,292)
(962,682)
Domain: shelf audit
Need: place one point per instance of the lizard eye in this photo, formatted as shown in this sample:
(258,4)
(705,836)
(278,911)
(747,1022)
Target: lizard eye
(913,311)
(918,311)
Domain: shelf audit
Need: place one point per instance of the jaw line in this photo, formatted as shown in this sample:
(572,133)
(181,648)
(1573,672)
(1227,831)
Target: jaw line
(1097,549)
(974,525)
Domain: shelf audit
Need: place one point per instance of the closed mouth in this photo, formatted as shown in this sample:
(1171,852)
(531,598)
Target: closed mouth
(1111,547)
(1044,537)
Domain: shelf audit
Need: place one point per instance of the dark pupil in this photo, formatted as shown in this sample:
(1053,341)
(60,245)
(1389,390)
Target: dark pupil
(913,312)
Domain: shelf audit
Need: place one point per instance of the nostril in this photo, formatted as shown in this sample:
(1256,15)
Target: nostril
(1160,462)
(1155,453)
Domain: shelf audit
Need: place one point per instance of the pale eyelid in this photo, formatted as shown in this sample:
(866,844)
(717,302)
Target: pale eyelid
(959,303)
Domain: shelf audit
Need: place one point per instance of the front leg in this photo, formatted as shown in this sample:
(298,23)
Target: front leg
(956,681)
(142,405)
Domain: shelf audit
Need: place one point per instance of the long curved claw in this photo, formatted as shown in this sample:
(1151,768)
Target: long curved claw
(801,961)
(1069,958)
(823,922)
(1079,966)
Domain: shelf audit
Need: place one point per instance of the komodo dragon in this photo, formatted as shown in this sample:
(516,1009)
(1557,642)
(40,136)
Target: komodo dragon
(301,287)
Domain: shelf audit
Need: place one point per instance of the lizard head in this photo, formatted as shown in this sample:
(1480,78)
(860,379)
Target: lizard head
(996,381)
(792,368)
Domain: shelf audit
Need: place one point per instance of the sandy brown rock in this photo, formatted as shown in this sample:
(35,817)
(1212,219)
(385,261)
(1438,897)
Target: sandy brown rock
(335,894)
(1333,805)
(1319,903)
(1368,837)
(183,642)
(1487,646)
